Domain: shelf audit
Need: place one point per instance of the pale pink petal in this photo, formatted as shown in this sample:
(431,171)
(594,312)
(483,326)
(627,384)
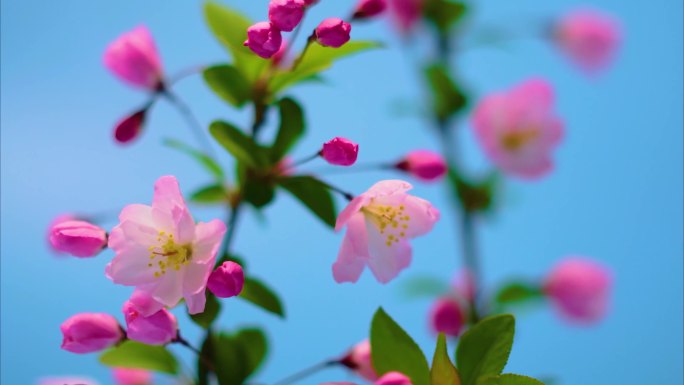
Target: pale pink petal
(354,251)
(196,302)
(168,198)
(388,258)
(169,287)
(389,187)
(421,215)
(352,208)
(196,276)
(208,237)
(130,265)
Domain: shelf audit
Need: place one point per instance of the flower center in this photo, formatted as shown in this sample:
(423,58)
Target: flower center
(168,254)
(390,220)
(514,141)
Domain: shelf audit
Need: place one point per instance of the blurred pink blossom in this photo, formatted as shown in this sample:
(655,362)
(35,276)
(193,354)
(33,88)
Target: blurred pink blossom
(78,238)
(393,378)
(90,332)
(406,13)
(134,59)
(358,359)
(126,376)
(369,8)
(425,165)
(447,316)
(66,381)
(56,221)
(130,127)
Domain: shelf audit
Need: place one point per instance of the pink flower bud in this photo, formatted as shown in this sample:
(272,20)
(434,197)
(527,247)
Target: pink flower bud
(393,378)
(66,380)
(286,14)
(406,13)
(340,151)
(369,8)
(333,32)
(447,316)
(130,127)
(588,38)
(264,39)
(59,219)
(78,238)
(309,3)
(144,304)
(579,288)
(425,165)
(359,360)
(90,332)
(127,376)
(134,59)
(158,329)
(227,280)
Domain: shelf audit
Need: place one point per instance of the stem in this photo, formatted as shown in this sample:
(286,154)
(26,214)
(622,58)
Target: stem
(306,372)
(309,41)
(357,168)
(231,223)
(348,196)
(195,125)
(205,360)
(184,73)
(305,160)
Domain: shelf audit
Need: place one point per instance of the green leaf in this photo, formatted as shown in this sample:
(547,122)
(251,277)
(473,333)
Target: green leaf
(425,286)
(238,356)
(228,83)
(258,191)
(201,157)
(508,379)
(448,99)
(291,128)
(517,292)
(230,28)
(317,59)
(444,14)
(394,350)
(241,146)
(474,195)
(131,354)
(214,193)
(484,349)
(261,295)
(443,371)
(211,311)
(313,194)
(256,348)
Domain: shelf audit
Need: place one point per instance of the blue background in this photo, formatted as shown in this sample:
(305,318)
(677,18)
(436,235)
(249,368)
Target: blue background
(616,194)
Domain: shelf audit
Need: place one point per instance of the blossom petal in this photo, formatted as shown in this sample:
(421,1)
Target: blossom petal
(168,198)
(129,266)
(389,187)
(352,208)
(196,302)
(423,216)
(208,237)
(196,276)
(354,251)
(168,289)
(387,261)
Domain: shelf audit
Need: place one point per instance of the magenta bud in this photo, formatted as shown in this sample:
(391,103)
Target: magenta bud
(309,3)
(358,359)
(129,376)
(424,165)
(78,238)
(393,378)
(133,57)
(158,329)
(286,14)
(369,8)
(333,32)
(264,39)
(90,332)
(447,316)
(340,151)
(130,127)
(227,280)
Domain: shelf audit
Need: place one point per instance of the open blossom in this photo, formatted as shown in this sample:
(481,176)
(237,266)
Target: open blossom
(128,376)
(358,359)
(159,328)
(447,316)
(580,289)
(78,238)
(406,13)
(340,151)
(90,332)
(333,32)
(286,14)
(264,39)
(134,59)
(589,38)
(425,165)
(380,223)
(161,251)
(518,129)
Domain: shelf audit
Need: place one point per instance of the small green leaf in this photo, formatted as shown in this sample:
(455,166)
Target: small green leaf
(228,83)
(214,193)
(444,14)
(255,346)
(517,292)
(474,195)
(508,379)
(291,128)
(394,350)
(258,192)
(241,146)
(443,371)
(425,287)
(261,295)
(448,98)
(313,194)
(238,356)
(484,349)
(212,309)
(131,354)
(201,157)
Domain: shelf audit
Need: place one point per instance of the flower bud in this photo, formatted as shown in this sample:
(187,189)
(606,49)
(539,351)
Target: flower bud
(579,288)
(66,380)
(129,376)
(286,14)
(130,127)
(90,332)
(158,329)
(393,378)
(340,151)
(309,3)
(406,13)
(359,360)
(144,304)
(78,238)
(589,38)
(369,8)
(264,39)
(333,32)
(447,316)
(227,280)
(425,165)
(134,59)
(59,219)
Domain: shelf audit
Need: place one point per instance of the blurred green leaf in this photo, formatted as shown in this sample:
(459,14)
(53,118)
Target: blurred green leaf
(131,354)
(212,309)
(201,157)
(241,146)
(425,286)
(258,191)
(214,193)
(291,128)
(517,292)
(508,379)
(444,14)
(238,356)
(261,295)
(475,196)
(443,371)
(228,83)
(313,194)
(448,98)
(394,350)
(483,350)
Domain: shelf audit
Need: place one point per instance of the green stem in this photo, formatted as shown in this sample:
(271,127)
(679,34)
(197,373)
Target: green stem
(309,41)
(231,223)
(307,372)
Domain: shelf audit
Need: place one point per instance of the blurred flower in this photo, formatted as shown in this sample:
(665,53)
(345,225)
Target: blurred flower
(406,13)
(518,129)
(78,238)
(333,32)
(144,304)
(159,328)
(425,165)
(285,167)
(126,376)
(160,250)
(286,14)
(134,59)
(90,332)
(309,3)
(393,378)
(130,127)
(368,8)
(227,280)
(264,39)
(589,38)
(379,224)
(358,359)
(57,220)
(447,316)
(340,151)
(580,289)
(66,381)
(464,286)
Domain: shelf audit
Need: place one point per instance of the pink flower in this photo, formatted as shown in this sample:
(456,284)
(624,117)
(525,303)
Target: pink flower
(447,316)
(340,151)
(78,238)
(264,39)
(518,129)
(160,250)
(227,280)
(333,32)
(393,378)
(379,224)
(144,304)
(425,165)
(369,8)
(309,3)
(130,127)
(67,381)
(286,14)
(59,219)
(126,376)
(589,38)
(580,289)
(359,360)
(90,332)
(134,59)
(406,13)
(159,328)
